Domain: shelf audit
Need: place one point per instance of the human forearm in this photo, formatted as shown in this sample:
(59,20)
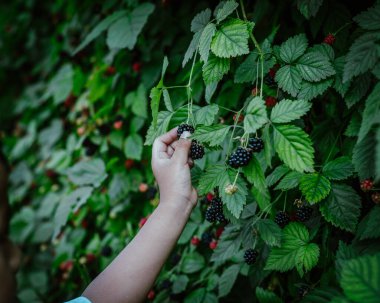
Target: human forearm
(130,276)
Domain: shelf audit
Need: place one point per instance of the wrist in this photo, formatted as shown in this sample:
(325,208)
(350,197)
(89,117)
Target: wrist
(178,208)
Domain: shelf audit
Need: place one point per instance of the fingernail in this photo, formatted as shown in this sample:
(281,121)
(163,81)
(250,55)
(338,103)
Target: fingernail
(185,135)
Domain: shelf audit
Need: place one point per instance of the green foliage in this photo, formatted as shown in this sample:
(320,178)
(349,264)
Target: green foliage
(315,187)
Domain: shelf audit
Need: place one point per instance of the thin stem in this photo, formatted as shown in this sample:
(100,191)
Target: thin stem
(176,86)
(237,175)
(286,196)
(228,109)
(189,92)
(342,27)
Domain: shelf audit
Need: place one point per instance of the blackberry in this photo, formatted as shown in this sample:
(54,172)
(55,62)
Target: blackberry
(197,150)
(250,256)
(217,204)
(166,284)
(255,144)
(211,215)
(206,238)
(106,251)
(303,290)
(221,218)
(282,219)
(240,157)
(104,129)
(175,258)
(304,213)
(269,80)
(184,127)
(90,148)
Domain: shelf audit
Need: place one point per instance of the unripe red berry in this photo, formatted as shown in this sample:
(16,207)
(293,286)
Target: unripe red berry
(255,91)
(84,224)
(118,124)
(240,119)
(270,101)
(90,257)
(142,221)
(151,295)
(210,196)
(272,72)
(69,101)
(195,241)
(366,185)
(136,67)
(66,265)
(213,244)
(329,39)
(219,232)
(129,163)
(143,187)
(110,70)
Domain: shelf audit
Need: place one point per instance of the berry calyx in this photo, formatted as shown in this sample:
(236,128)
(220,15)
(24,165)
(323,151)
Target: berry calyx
(197,150)
(129,163)
(213,244)
(282,219)
(195,241)
(136,67)
(184,127)
(230,189)
(304,213)
(366,185)
(329,39)
(255,144)
(250,256)
(270,101)
(143,187)
(240,157)
(376,198)
(151,295)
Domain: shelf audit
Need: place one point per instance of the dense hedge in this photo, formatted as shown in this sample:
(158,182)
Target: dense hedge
(85,84)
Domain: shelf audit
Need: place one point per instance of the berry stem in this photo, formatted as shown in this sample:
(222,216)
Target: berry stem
(286,196)
(342,27)
(175,86)
(236,177)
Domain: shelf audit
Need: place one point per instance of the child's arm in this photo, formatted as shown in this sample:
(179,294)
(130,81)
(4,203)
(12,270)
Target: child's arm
(130,276)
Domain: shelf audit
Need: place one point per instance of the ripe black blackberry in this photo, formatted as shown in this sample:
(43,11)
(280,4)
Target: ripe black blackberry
(211,215)
(166,284)
(184,127)
(197,150)
(206,238)
(269,80)
(255,144)
(304,213)
(303,290)
(90,148)
(221,218)
(282,219)
(217,204)
(240,157)
(106,251)
(250,256)
(104,129)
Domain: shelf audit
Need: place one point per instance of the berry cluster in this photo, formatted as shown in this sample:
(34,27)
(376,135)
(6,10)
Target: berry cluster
(282,219)
(184,127)
(215,211)
(366,185)
(197,150)
(255,144)
(304,213)
(329,39)
(240,157)
(250,256)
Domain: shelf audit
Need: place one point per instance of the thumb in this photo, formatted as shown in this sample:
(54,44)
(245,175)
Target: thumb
(181,153)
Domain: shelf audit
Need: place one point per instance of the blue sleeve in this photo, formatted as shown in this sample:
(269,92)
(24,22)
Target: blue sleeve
(79,300)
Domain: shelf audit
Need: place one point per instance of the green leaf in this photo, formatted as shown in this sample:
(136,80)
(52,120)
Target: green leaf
(234,202)
(339,86)
(213,135)
(180,284)
(90,172)
(294,147)
(342,207)
(362,56)
(293,48)
(62,84)
(254,173)
(311,90)
(214,69)
(167,100)
(266,296)
(155,96)
(314,67)
(361,279)
(288,110)
(289,79)
(99,28)
(369,227)
(256,115)
(194,43)
(377,157)
(315,187)
(200,21)
(227,279)
(291,180)
(322,295)
(163,121)
(269,231)
(138,101)
(357,90)
(192,263)
(133,147)
(369,19)
(363,157)
(228,245)
(226,10)
(124,32)
(211,178)
(206,114)
(196,296)
(338,169)
(307,257)
(205,41)
(309,8)
(231,40)
(353,127)
(371,114)
(276,175)
(247,71)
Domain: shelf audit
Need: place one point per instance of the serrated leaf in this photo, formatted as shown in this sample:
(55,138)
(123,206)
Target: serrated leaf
(307,257)
(269,231)
(231,40)
(363,157)
(227,279)
(315,187)
(290,180)
(254,173)
(309,8)
(163,121)
(311,90)
(61,85)
(133,147)
(339,86)
(192,263)
(266,296)
(288,110)
(229,243)
(362,56)
(256,115)
(357,90)
(167,100)
(293,48)
(377,156)
(194,43)
(294,147)
(338,169)
(247,71)
(315,67)
(353,127)
(213,135)
(180,284)
(90,172)
(214,69)
(124,32)
(361,279)
(369,19)
(369,226)
(371,114)
(321,295)
(200,20)
(342,207)
(276,175)
(211,178)
(210,90)
(155,96)
(206,114)
(205,41)
(289,79)
(226,10)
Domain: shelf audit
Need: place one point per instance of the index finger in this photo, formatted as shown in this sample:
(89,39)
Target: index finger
(162,142)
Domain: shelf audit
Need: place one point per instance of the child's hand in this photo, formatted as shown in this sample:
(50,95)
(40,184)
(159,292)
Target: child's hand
(171,167)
